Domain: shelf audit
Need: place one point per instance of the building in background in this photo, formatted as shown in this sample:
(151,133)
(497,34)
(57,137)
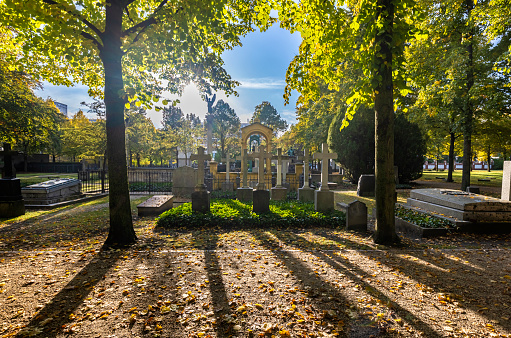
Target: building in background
(62,107)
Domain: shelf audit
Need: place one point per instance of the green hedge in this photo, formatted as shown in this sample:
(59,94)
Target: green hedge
(422,219)
(228,213)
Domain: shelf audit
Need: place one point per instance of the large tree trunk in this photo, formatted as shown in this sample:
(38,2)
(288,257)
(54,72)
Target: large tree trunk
(468,111)
(384,131)
(488,156)
(451,157)
(121,225)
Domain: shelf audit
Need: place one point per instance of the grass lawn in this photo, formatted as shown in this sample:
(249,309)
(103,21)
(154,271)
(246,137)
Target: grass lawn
(208,281)
(494,176)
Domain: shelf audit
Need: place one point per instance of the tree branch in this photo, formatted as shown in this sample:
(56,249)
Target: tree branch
(146,23)
(79,17)
(93,39)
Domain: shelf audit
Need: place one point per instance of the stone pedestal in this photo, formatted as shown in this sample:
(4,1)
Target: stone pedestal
(244,194)
(279,194)
(11,200)
(201,201)
(306,195)
(228,186)
(506,182)
(261,202)
(323,200)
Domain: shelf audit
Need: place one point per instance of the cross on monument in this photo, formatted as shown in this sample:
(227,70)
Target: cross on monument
(306,159)
(280,158)
(325,157)
(244,168)
(227,160)
(200,157)
(7,154)
(261,155)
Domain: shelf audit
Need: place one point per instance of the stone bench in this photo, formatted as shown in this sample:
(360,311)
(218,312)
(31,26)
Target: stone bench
(155,205)
(356,215)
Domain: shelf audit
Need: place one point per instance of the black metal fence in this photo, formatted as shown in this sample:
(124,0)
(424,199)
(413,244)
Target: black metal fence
(54,167)
(94,181)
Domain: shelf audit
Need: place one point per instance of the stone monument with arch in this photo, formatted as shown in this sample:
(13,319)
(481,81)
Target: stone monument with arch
(257,128)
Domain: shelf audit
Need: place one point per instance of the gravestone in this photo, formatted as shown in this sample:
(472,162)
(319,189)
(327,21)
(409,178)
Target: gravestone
(305,193)
(227,185)
(356,216)
(184,180)
(261,196)
(200,196)
(366,186)
(324,198)
(279,193)
(11,199)
(52,191)
(245,192)
(506,182)
(155,205)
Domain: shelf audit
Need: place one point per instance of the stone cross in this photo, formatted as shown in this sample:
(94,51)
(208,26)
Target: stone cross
(325,157)
(261,155)
(227,161)
(280,158)
(306,159)
(8,168)
(200,157)
(244,168)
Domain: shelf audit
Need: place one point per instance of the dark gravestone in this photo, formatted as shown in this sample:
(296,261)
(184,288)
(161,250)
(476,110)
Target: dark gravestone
(366,184)
(11,200)
(474,190)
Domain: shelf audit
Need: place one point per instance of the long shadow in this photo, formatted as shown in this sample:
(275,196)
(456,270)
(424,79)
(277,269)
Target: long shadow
(72,295)
(446,281)
(220,302)
(347,268)
(317,288)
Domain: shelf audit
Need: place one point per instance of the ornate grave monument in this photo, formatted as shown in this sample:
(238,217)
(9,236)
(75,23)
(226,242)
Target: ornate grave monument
(11,200)
(279,193)
(323,198)
(305,193)
(261,195)
(200,197)
(227,185)
(244,193)
(52,191)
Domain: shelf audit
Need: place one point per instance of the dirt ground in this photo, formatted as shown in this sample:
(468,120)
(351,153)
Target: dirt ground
(55,281)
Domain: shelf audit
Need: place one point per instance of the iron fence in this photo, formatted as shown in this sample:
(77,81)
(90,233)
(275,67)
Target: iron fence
(94,181)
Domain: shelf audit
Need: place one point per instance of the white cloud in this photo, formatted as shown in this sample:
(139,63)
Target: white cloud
(262,83)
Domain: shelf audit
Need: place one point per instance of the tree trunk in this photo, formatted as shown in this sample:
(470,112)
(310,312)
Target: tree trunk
(137,156)
(468,111)
(121,226)
(384,131)
(451,157)
(25,157)
(489,158)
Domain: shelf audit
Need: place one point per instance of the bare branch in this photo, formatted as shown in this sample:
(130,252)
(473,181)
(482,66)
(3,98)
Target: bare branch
(79,17)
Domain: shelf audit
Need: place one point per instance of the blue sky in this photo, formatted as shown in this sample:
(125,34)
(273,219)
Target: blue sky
(260,65)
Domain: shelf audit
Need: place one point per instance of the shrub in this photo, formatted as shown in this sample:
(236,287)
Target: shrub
(235,214)
(422,219)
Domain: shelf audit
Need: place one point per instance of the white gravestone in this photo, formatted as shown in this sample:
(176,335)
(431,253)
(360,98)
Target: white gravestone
(305,193)
(323,198)
(506,182)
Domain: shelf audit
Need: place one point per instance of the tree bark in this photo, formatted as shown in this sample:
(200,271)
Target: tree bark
(451,157)
(121,231)
(489,158)
(468,111)
(384,131)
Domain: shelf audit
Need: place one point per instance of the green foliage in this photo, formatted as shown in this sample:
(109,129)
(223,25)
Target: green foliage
(355,146)
(422,219)
(269,116)
(233,213)
(226,124)
(154,187)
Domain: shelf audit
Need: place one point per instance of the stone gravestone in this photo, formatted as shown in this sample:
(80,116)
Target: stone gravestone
(200,197)
(279,193)
(305,193)
(244,193)
(506,182)
(323,198)
(184,180)
(52,191)
(261,195)
(155,205)
(356,216)
(11,200)
(227,185)
(366,186)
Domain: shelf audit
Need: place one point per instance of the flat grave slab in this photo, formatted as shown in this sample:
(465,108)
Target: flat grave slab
(52,191)
(155,205)
(461,205)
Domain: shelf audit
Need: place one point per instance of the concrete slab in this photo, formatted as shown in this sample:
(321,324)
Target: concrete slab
(461,200)
(155,205)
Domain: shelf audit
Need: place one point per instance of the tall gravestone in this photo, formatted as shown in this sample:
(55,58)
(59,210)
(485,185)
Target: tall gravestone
(305,193)
(244,193)
(11,200)
(324,198)
(279,192)
(227,185)
(201,196)
(261,195)
(506,182)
